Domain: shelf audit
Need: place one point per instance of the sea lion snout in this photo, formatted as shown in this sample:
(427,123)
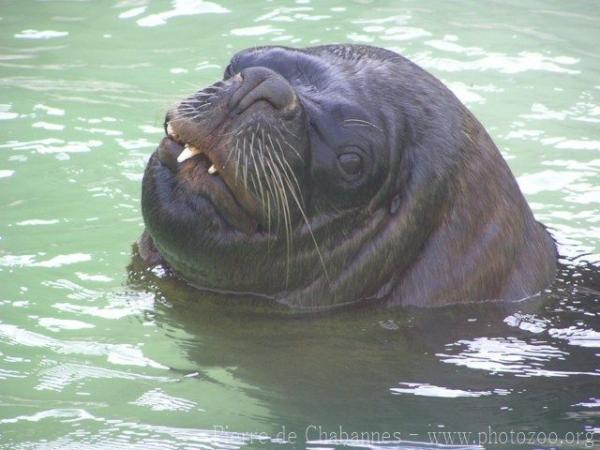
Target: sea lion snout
(261,83)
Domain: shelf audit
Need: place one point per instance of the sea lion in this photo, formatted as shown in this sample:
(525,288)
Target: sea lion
(325,176)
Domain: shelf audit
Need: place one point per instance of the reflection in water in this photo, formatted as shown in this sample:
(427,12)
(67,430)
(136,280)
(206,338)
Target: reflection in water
(401,368)
(106,433)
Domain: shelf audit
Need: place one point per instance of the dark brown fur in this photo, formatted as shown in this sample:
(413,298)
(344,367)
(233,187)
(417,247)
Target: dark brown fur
(435,217)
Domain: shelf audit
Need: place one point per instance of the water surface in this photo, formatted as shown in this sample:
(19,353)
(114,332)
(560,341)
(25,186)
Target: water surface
(95,356)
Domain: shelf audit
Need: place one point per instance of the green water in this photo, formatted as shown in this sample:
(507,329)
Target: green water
(95,356)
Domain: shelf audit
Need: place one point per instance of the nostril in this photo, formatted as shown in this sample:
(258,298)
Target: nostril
(276,91)
(260,83)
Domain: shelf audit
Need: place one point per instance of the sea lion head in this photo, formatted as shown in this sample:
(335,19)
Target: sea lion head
(309,176)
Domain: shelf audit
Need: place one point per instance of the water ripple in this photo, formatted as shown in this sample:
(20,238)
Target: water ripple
(158,400)
(428,390)
(503,355)
(181,8)
(118,433)
(121,354)
(30,260)
(41,34)
(57,378)
(577,336)
(523,62)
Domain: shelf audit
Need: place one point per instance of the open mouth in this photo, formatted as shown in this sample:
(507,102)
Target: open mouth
(200,171)
(189,150)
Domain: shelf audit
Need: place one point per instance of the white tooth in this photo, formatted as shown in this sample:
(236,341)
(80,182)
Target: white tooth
(212,169)
(188,152)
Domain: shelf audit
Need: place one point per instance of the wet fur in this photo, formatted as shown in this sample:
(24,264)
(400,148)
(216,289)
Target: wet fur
(447,222)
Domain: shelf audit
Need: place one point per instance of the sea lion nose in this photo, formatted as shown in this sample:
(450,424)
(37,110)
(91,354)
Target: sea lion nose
(261,83)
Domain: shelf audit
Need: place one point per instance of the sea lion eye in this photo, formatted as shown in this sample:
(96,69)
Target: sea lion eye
(351,163)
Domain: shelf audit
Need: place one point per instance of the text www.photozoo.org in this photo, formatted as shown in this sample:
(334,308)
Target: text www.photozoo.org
(317,434)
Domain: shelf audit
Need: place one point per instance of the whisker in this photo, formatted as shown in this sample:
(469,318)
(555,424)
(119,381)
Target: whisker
(288,170)
(235,132)
(256,174)
(245,165)
(288,144)
(270,192)
(299,203)
(284,207)
(237,164)
(364,122)
(270,180)
(231,152)
(282,123)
